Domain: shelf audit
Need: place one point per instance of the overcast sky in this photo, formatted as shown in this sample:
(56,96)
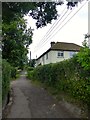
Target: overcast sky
(72,32)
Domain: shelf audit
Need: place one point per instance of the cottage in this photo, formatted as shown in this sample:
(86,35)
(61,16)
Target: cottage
(58,52)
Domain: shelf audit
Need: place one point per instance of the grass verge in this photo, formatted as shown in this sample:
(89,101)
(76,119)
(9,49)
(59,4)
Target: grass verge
(62,96)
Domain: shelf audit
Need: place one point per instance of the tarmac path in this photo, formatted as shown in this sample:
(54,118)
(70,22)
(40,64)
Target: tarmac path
(34,102)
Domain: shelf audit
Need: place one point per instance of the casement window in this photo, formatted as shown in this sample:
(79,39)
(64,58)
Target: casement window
(46,56)
(60,54)
(72,53)
(43,58)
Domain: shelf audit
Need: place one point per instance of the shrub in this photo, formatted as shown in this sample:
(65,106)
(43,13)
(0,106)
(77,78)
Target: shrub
(30,74)
(68,76)
(30,68)
(13,72)
(84,58)
(6,75)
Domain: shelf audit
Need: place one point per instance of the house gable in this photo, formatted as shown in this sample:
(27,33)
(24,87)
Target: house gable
(62,49)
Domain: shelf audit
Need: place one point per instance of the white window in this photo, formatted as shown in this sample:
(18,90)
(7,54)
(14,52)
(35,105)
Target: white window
(46,56)
(60,54)
(72,53)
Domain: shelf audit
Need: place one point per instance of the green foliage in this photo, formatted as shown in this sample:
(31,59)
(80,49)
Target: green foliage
(0,80)
(84,58)
(30,68)
(30,74)
(16,39)
(32,63)
(6,75)
(67,76)
(13,72)
(42,12)
(16,36)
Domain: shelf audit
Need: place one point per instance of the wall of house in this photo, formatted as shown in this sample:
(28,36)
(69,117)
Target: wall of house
(44,60)
(53,58)
(38,62)
(48,60)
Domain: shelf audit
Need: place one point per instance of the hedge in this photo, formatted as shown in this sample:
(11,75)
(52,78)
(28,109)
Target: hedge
(13,72)
(8,73)
(0,81)
(6,76)
(67,76)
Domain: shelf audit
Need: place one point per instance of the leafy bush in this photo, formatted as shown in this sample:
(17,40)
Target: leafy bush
(30,74)
(68,76)
(13,72)
(30,68)
(0,81)
(84,58)
(6,75)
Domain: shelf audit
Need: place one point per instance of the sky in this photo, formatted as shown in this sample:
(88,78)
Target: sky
(72,32)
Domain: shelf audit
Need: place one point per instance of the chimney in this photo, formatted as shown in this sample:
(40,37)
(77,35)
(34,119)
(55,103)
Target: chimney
(52,43)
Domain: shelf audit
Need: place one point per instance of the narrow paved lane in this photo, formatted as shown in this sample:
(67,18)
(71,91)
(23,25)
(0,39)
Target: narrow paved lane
(34,102)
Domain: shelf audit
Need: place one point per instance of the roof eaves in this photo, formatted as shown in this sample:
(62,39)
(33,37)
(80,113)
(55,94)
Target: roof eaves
(63,50)
(44,53)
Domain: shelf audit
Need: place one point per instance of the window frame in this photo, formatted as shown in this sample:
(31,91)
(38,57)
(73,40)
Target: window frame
(59,54)
(46,56)
(72,53)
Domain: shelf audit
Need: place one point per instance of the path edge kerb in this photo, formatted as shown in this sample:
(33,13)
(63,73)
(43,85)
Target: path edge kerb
(6,109)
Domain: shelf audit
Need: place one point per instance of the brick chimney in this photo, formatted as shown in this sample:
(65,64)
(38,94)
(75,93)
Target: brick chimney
(52,43)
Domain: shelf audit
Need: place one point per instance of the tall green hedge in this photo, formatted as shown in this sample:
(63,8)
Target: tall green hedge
(0,80)
(8,72)
(6,75)
(67,76)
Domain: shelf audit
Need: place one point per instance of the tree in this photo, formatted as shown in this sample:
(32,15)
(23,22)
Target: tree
(87,36)
(43,12)
(16,36)
(16,39)
(84,54)
(84,59)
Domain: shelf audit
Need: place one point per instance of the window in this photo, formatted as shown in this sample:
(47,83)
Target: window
(72,53)
(60,54)
(43,60)
(46,56)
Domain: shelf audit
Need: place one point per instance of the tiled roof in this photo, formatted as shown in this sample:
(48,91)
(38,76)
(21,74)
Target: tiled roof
(63,46)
